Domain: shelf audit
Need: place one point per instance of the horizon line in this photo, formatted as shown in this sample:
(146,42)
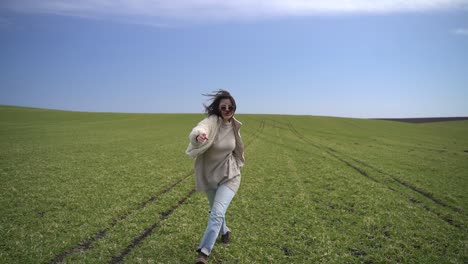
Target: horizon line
(201,113)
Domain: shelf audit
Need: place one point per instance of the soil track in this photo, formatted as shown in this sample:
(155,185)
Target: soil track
(362,172)
(86,244)
(424,193)
(147,232)
(257,132)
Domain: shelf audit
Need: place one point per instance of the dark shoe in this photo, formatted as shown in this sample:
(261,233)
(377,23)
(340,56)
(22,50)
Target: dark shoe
(226,238)
(202,258)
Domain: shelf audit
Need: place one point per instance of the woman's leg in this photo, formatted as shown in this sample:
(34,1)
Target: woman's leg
(216,222)
(211,196)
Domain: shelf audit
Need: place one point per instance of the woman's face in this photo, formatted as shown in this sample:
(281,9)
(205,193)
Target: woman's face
(226,109)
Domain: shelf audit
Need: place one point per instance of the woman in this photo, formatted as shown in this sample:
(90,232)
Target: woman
(217,146)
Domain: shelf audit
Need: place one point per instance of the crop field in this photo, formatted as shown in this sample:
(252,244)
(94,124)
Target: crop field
(82,187)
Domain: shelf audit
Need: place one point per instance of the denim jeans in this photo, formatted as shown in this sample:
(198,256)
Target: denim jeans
(219,202)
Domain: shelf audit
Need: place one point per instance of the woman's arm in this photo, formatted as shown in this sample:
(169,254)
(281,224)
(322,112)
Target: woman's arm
(201,129)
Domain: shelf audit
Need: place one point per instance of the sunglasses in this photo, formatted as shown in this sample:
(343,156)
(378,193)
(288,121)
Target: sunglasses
(227,108)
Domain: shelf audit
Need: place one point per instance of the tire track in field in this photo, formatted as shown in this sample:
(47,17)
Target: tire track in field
(414,188)
(86,245)
(257,133)
(150,230)
(396,179)
(334,153)
(446,218)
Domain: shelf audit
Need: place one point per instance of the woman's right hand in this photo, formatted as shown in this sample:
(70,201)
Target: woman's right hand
(202,138)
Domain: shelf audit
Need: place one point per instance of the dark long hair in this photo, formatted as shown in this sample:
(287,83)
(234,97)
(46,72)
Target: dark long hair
(216,97)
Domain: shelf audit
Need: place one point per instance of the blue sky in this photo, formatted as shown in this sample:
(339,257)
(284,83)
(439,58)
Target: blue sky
(358,58)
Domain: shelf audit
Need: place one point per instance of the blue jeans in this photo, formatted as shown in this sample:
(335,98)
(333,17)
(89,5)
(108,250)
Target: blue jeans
(219,201)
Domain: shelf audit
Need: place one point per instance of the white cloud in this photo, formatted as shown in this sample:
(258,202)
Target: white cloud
(460,31)
(150,11)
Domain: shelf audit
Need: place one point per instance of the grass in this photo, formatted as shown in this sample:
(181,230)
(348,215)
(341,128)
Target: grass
(103,187)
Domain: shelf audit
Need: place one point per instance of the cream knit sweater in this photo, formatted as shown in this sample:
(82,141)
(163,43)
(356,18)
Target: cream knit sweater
(211,127)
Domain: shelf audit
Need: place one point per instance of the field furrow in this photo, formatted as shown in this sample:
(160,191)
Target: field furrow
(393,183)
(87,244)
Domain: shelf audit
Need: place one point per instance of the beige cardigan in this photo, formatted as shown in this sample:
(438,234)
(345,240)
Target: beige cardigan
(195,149)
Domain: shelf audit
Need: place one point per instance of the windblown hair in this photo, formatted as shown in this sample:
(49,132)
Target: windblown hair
(216,97)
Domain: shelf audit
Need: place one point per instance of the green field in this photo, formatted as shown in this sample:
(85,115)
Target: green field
(80,187)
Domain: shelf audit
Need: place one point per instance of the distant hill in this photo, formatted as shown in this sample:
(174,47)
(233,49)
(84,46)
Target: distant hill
(424,120)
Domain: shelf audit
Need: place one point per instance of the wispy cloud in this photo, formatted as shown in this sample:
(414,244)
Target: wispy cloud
(460,31)
(150,11)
